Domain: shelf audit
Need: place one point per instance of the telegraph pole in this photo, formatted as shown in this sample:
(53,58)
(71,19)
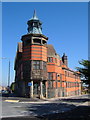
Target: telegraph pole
(9,74)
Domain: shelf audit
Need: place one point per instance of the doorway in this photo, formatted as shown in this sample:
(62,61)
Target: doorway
(36,89)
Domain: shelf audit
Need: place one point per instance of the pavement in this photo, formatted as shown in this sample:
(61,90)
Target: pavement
(22,99)
(37,100)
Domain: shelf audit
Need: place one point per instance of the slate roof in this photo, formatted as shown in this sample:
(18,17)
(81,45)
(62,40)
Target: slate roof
(50,50)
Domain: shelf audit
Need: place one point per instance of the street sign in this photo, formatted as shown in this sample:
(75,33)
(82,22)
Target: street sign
(29,84)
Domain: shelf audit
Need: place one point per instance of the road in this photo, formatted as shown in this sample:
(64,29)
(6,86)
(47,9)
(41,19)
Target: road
(43,109)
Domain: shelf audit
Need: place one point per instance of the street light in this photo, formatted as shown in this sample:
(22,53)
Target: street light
(8,71)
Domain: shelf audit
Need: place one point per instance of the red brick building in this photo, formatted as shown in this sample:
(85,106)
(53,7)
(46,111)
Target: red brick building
(39,70)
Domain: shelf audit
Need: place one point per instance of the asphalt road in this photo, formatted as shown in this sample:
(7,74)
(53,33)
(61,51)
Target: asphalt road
(64,108)
(79,113)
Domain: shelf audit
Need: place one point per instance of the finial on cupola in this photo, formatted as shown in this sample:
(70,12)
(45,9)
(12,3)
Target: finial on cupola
(34,15)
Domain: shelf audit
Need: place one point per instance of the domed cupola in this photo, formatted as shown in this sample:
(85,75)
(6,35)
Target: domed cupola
(34,25)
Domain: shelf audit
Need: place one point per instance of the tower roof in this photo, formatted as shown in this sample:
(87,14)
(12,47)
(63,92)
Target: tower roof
(34,25)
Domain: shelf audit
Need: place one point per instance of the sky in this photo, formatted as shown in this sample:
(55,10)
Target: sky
(64,23)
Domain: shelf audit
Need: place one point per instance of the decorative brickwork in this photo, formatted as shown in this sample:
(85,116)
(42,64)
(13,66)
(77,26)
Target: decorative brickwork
(37,63)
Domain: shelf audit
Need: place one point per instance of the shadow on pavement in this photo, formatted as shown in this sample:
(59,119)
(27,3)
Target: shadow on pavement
(76,100)
(81,113)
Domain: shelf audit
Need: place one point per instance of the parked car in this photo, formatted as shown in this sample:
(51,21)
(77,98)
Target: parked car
(4,93)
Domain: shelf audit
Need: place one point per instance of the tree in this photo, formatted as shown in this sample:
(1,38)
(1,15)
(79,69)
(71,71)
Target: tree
(85,71)
(12,87)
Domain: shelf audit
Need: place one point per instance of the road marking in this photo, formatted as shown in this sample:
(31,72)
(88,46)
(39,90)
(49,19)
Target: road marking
(12,100)
(37,102)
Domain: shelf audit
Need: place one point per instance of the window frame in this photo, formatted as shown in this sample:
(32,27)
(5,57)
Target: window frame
(50,76)
(36,64)
(50,59)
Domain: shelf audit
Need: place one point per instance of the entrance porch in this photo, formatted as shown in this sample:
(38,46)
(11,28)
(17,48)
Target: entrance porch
(38,89)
